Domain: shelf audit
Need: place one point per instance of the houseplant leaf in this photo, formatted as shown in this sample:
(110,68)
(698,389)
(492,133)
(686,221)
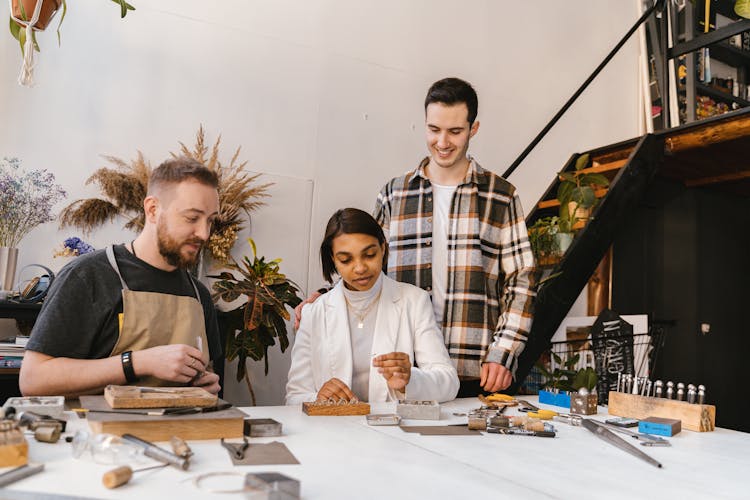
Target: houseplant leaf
(742,8)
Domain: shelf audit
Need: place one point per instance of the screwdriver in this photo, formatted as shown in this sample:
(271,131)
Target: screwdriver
(121,475)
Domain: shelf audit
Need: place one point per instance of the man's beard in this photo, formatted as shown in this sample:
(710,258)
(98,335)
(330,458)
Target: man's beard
(170,249)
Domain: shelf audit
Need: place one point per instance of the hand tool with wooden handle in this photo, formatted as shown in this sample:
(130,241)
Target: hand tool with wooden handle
(121,475)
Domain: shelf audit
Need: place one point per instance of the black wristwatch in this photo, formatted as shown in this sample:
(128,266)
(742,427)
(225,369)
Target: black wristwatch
(127,366)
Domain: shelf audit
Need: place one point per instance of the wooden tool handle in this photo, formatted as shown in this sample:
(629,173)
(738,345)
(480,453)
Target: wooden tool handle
(117,477)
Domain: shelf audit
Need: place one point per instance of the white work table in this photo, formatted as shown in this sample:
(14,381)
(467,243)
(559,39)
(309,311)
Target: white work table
(343,457)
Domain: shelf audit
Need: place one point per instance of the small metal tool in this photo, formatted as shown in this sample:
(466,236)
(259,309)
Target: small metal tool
(670,390)
(701,394)
(520,432)
(602,432)
(526,406)
(680,391)
(648,388)
(691,394)
(619,381)
(237,450)
(121,475)
(635,386)
(19,473)
(658,389)
(644,439)
(157,453)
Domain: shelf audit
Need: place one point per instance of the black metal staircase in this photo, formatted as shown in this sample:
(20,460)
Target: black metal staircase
(630,166)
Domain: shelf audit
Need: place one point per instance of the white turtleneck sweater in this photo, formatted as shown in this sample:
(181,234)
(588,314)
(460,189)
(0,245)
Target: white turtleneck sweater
(362,337)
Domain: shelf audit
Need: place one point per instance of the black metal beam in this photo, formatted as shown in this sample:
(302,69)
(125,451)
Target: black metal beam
(709,38)
(658,4)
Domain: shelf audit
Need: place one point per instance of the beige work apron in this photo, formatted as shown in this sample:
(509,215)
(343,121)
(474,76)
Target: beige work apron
(151,319)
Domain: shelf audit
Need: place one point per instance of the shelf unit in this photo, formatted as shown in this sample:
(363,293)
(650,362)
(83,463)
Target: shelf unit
(686,40)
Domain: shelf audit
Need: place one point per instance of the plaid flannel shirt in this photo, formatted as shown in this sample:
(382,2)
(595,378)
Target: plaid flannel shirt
(490,291)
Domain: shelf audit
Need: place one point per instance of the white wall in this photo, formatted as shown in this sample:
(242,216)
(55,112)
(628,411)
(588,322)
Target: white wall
(322,91)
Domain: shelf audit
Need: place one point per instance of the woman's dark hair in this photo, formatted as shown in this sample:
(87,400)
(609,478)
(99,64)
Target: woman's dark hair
(348,221)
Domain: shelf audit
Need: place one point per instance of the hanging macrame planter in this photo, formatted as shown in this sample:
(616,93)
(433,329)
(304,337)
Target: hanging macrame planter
(32,15)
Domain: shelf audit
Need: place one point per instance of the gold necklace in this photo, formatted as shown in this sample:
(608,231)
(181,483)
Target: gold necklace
(361,314)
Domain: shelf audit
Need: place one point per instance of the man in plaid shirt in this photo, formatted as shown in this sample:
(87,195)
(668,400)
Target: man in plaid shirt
(458,231)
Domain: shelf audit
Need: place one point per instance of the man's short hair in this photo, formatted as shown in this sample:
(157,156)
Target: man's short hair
(348,221)
(454,91)
(176,170)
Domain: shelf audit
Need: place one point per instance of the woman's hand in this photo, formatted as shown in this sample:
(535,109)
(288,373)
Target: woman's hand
(335,389)
(395,368)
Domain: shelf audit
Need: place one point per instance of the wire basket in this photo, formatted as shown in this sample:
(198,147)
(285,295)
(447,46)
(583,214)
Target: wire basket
(646,348)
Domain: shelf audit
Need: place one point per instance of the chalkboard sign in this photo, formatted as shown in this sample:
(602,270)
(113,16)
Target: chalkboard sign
(612,339)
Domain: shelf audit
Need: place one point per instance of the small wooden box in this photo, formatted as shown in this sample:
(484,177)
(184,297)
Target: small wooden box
(583,404)
(694,417)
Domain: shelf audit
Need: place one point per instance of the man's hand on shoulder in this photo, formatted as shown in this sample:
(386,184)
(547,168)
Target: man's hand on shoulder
(495,377)
(298,310)
(174,362)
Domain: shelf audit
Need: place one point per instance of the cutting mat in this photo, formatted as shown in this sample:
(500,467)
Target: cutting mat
(128,396)
(213,425)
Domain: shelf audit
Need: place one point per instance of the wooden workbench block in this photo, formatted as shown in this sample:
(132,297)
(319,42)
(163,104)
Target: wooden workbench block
(315,408)
(694,417)
(126,396)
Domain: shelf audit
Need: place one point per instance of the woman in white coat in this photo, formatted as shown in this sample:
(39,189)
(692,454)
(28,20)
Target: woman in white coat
(369,338)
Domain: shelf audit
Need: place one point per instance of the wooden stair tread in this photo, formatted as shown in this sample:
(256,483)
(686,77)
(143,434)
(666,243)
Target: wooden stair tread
(599,193)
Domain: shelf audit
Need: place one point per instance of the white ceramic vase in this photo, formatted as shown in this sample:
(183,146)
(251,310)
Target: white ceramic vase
(8,261)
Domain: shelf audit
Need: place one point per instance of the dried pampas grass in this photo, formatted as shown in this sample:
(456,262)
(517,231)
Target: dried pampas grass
(124,187)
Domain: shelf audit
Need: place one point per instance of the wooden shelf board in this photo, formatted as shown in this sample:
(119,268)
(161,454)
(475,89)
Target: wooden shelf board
(599,193)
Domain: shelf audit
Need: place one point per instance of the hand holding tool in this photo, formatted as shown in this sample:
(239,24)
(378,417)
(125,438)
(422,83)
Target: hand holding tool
(121,475)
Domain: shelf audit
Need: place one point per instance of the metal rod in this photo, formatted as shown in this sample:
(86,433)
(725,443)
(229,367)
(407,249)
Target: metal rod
(554,120)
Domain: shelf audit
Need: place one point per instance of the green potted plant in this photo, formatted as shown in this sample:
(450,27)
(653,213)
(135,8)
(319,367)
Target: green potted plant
(252,327)
(550,238)
(584,398)
(559,382)
(577,192)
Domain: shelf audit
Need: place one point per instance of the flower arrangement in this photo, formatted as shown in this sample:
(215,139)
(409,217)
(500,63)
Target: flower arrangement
(26,200)
(124,188)
(73,247)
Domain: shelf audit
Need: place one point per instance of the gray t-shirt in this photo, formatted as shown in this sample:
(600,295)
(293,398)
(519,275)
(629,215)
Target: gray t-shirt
(79,318)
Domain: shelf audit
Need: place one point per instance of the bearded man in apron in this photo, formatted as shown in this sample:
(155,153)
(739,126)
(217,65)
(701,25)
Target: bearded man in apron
(132,313)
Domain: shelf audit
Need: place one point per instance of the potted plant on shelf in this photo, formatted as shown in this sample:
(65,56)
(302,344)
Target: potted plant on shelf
(550,238)
(577,192)
(252,327)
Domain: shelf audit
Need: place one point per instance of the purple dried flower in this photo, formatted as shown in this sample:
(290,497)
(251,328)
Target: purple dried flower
(26,200)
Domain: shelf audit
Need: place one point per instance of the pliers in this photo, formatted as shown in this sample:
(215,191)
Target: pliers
(236,450)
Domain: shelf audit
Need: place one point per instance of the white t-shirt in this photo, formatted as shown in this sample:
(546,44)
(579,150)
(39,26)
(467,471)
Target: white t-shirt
(442,196)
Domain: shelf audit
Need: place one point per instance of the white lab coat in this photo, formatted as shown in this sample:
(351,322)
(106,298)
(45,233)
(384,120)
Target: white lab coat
(405,323)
